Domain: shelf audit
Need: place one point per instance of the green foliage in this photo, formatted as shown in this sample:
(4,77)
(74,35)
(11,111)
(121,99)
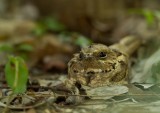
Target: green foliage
(148,14)
(48,24)
(82,41)
(39,30)
(25,47)
(65,37)
(6,48)
(54,25)
(12,48)
(16,74)
(75,38)
(20,49)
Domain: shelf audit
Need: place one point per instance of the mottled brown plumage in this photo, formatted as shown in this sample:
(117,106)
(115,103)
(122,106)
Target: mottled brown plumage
(99,65)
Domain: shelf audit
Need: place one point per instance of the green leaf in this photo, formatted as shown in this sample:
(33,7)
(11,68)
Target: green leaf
(6,48)
(65,37)
(149,15)
(25,47)
(39,30)
(16,73)
(83,41)
(53,24)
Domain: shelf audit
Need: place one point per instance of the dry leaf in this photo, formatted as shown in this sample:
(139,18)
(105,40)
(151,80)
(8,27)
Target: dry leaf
(105,92)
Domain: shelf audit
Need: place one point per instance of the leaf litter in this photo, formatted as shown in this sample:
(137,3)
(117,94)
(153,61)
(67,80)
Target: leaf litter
(140,96)
(135,95)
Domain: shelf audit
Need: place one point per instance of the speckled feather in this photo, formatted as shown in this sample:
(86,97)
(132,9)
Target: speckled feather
(99,65)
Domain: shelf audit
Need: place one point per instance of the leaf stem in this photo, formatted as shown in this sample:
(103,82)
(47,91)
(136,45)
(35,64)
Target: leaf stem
(16,73)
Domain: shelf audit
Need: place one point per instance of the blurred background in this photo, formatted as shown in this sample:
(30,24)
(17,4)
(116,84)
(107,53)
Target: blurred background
(47,33)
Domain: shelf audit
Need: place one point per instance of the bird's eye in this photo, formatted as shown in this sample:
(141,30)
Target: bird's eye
(102,54)
(81,55)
